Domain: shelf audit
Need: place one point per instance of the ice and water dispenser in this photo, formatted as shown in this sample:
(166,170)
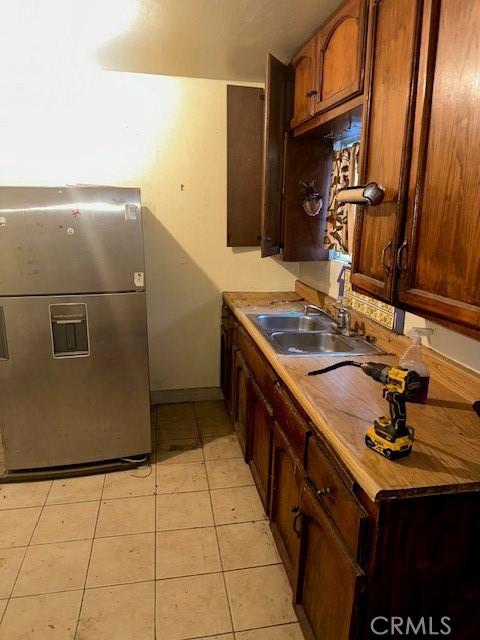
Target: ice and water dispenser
(69,325)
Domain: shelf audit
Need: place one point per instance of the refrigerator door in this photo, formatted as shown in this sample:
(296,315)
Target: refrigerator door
(73,379)
(63,240)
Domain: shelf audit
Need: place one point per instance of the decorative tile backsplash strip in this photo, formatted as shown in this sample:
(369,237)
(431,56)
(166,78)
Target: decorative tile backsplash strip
(381,312)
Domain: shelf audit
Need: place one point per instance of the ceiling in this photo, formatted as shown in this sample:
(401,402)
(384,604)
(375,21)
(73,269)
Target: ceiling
(223,39)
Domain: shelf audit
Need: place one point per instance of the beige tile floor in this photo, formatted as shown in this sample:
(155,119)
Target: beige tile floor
(174,550)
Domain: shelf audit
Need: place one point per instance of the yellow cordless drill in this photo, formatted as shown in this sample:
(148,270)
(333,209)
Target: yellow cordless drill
(389,436)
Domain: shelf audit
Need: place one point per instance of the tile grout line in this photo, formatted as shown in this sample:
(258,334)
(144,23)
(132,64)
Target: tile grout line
(100,586)
(89,559)
(26,550)
(116,535)
(137,533)
(140,495)
(216,534)
(121,584)
(235,633)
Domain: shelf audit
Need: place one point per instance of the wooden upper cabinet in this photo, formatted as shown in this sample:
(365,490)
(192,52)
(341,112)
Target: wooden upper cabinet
(392,51)
(340,47)
(307,159)
(305,83)
(277,106)
(244,165)
(439,260)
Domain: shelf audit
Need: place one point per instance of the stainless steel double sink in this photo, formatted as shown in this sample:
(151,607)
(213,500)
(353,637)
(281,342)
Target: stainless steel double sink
(299,334)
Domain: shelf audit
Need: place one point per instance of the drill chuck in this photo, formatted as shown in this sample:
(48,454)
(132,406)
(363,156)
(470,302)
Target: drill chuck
(376,370)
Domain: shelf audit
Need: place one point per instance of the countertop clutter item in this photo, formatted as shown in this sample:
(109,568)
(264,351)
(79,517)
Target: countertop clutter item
(74,361)
(413,361)
(390,437)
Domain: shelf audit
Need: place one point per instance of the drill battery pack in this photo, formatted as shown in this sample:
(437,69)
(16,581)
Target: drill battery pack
(381,438)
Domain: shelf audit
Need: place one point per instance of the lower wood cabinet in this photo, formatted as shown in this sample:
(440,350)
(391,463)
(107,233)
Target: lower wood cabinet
(330,582)
(348,559)
(226,362)
(287,477)
(260,431)
(240,384)
(335,494)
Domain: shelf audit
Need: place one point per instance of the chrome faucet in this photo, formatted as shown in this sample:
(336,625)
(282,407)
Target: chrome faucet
(343,316)
(312,307)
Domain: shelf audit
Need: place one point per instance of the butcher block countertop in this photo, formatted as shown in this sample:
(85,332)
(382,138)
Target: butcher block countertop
(343,403)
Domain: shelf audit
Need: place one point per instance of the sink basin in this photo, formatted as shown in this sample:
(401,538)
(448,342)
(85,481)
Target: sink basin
(296,334)
(321,344)
(290,322)
(312,343)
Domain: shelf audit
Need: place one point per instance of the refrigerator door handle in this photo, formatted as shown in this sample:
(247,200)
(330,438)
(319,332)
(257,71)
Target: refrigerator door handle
(3,336)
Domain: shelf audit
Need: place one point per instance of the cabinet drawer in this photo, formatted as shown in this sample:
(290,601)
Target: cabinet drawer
(347,513)
(294,426)
(263,374)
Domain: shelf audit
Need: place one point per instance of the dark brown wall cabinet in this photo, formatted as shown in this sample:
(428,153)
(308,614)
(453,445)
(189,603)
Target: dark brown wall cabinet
(327,72)
(244,165)
(419,248)
(348,559)
(329,68)
(305,84)
(288,163)
(439,258)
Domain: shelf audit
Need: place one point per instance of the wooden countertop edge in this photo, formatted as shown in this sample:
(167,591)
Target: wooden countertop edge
(373,490)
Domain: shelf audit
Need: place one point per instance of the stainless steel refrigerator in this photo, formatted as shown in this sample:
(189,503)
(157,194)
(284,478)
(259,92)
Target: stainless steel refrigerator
(73,340)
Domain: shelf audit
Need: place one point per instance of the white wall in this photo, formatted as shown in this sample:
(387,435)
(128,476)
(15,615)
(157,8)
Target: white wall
(324,276)
(157,133)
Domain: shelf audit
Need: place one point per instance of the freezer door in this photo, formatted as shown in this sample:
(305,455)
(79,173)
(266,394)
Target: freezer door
(63,240)
(81,395)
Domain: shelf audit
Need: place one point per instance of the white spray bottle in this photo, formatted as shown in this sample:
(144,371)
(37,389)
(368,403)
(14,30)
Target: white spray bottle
(412,360)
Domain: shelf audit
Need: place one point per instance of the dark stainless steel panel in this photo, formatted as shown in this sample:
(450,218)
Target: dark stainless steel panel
(64,240)
(62,411)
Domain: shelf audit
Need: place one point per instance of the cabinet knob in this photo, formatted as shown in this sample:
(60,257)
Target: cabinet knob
(325,491)
(312,92)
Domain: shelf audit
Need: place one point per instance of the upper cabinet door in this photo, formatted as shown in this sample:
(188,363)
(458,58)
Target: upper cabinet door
(277,113)
(440,257)
(340,56)
(305,83)
(392,52)
(244,165)
(307,160)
